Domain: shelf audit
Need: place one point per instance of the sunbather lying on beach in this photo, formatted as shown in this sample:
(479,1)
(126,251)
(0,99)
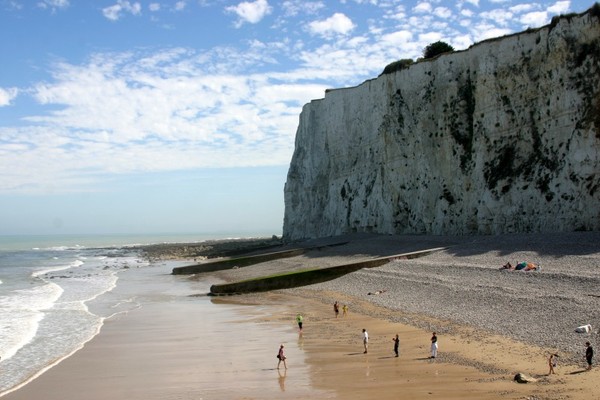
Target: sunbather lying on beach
(376,292)
(522,266)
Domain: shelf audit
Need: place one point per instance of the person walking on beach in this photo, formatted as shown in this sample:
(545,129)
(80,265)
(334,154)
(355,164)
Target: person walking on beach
(336,309)
(299,319)
(366,340)
(396,344)
(589,354)
(344,310)
(434,345)
(281,357)
(552,363)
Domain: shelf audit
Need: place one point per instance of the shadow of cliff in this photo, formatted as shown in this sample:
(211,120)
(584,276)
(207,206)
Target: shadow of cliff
(545,244)
(554,245)
(363,246)
(323,259)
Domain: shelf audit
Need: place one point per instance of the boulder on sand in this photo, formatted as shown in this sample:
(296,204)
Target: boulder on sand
(522,378)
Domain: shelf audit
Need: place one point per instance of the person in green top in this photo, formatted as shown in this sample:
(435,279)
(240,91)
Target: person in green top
(299,321)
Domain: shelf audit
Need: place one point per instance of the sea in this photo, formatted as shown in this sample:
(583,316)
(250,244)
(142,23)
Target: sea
(56,292)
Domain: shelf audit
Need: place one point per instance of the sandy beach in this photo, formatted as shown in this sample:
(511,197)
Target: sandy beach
(181,344)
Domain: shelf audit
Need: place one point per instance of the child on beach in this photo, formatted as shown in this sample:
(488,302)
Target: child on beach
(281,357)
(396,344)
(345,310)
(299,319)
(552,363)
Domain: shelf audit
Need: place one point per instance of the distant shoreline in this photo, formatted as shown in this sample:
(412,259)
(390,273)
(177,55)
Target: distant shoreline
(207,249)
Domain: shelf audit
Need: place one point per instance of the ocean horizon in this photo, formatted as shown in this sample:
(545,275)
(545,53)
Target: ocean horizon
(47,241)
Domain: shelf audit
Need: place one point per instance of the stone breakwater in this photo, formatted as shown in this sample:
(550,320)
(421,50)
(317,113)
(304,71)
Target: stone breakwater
(207,249)
(463,286)
(503,137)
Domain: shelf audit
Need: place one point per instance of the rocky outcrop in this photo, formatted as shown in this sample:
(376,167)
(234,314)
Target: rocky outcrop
(523,378)
(502,137)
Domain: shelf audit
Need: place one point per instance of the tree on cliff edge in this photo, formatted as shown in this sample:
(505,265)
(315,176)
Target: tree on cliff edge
(437,48)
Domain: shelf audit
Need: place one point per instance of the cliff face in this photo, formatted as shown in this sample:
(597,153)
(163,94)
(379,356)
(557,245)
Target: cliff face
(503,137)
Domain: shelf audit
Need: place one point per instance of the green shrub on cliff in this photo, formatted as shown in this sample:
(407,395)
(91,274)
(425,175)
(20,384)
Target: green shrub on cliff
(437,48)
(397,66)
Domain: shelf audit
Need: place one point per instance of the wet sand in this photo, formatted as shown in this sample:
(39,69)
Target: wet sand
(181,347)
(470,365)
(175,346)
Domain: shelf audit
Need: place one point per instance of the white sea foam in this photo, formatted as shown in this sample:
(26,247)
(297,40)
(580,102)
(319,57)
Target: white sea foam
(52,302)
(19,378)
(45,271)
(86,288)
(15,336)
(23,310)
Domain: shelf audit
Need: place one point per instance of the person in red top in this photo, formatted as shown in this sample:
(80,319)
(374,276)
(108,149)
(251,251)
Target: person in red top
(281,356)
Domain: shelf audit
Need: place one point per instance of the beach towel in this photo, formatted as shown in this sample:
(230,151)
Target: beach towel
(584,329)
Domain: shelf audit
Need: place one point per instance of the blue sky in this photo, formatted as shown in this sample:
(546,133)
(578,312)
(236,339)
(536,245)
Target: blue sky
(180,116)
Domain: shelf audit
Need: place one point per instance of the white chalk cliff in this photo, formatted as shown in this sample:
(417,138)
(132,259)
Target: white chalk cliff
(502,137)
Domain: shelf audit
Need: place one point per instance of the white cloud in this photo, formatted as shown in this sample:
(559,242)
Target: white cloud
(442,12)
(430,37)
(251,12)
(422,8)
(127,113)
(421,23)
(466,13)
(154,7)
(115,11)
(397,38)
(54,4)
(292,8)
(560,7)
(13,5)
(338,23)
(483,31)
(498,16)
(7,95)
(180,5)
(462,42)
(534,19)
(465,23)
(521,8)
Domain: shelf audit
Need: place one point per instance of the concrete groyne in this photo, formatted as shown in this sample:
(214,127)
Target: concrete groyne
(294,279)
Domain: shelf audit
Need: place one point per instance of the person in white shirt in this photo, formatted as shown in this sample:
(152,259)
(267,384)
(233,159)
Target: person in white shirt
(365,340)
